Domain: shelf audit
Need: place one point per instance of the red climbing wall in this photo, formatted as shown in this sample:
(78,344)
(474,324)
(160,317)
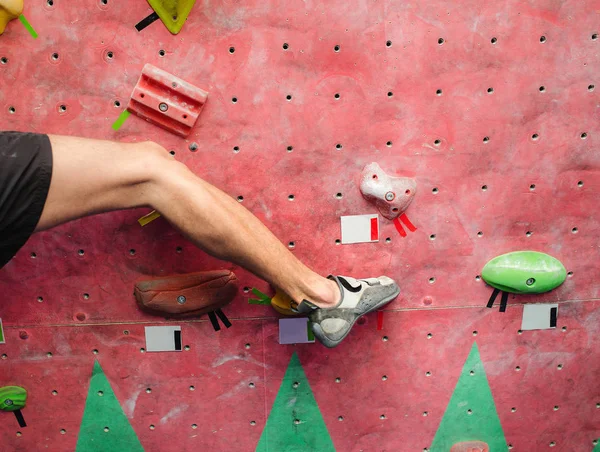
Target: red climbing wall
(492,108)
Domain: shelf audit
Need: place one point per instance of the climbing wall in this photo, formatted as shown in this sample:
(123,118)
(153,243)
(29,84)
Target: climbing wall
(493,108)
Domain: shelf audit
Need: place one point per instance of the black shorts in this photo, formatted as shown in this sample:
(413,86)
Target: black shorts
(25,174)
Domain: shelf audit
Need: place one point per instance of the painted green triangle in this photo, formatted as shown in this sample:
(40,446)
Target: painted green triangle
(102,412)
(481,423)
(295,422)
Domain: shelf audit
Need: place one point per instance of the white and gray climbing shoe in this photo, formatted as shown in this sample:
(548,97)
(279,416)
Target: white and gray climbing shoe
(359,297)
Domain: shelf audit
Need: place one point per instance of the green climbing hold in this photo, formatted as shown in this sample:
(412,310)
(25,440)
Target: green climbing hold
(295,422)
(12,398)
(524,272)
(104,427)
(471,413)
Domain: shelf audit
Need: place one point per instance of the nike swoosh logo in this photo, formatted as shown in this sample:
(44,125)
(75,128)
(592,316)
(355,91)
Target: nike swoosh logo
(348,287)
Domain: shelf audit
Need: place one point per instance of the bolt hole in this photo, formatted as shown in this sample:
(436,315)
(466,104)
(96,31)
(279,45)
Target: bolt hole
(594,36)
(407,192)
(185,116)
(126,332)
(104,2)
(490,90)
(395,209)
(288,97)
(438,92)
(390,94)
(529,233)
(389,144)
(338,195)
(574,230)
(431,280)
(132,252)
(236,149)
(336,95)
(388,240)
(109,55)
(583,136)
(80,316)
(290,148)
(435,190)
(475,333)
(590,87)
(55,56)
(117,104)
(336,48)
(542,89)
(161,53)
(172,152)
(432,237)
(338,242)
(4,60)
(437,142)
(81,252)
(542,39)
(494,40)
(12,110)
(50,2)
(480,234)
(231,49)
(234,100)
(63,108)
(428,374)
(440,41)
(291,245)
(477,278)
(535,136)
(291,197)
(388,43)
(338,146)
(286,46)
(580,183)
(518,368)
(240,198)
(486,139)
(193,147)
(484,187)
(513,409)
(532,187)
(179,250)
(569,274)
(33,255)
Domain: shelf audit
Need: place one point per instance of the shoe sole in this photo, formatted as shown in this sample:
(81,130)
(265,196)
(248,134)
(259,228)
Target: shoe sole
(318,331)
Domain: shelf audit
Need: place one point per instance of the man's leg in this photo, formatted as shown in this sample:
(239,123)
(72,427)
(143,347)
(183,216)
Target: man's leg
(92,176)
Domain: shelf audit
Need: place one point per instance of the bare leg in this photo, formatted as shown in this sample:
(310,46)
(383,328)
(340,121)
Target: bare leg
(92,176)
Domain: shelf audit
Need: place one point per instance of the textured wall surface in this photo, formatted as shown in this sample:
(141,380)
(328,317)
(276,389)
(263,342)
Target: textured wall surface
(493,108)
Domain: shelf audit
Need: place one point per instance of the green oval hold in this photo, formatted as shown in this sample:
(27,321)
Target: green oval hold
(524,272)
(12,398)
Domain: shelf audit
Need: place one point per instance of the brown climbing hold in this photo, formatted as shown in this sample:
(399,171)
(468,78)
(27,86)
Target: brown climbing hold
(9,10)
(391,195)
(191,294)
(470,446)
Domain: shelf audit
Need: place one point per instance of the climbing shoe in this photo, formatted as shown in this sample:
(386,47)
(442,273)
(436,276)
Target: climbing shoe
(358,297)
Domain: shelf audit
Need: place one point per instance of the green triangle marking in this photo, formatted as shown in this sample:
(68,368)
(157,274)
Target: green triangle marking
(295,422)
(472,392)
(101,412)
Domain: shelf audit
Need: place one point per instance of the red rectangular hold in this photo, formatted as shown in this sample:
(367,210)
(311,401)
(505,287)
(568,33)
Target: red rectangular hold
(167,101)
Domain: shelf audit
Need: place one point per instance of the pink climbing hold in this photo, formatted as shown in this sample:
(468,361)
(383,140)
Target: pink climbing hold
(391,195)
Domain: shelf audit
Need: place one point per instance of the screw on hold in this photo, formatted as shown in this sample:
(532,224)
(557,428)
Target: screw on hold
(389,196)
(181,299)
(163,107)
(8,402)
(530,281)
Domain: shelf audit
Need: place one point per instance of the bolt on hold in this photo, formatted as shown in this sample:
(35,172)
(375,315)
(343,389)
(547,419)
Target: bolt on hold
(390,195)
(163,107)
(181,299)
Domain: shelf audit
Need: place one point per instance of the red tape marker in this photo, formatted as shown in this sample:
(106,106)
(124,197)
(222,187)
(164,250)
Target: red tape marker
(399,227)
(379,320)
(411,227)
(374,229)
